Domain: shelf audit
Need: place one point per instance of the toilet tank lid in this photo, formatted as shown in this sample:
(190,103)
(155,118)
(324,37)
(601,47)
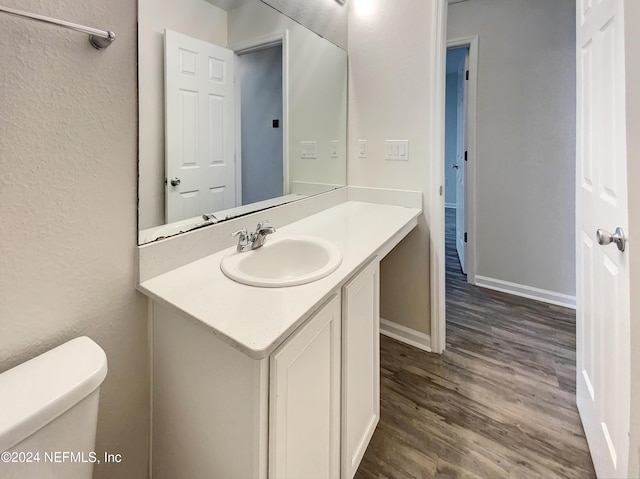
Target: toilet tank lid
(37,391)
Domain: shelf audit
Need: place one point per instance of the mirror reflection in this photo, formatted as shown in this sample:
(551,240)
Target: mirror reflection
(240,109)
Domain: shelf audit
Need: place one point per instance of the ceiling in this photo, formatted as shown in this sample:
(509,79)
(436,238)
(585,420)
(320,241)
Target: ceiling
(227,5)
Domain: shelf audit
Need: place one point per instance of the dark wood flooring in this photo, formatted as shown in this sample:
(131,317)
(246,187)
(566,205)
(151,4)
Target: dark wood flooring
(499,403)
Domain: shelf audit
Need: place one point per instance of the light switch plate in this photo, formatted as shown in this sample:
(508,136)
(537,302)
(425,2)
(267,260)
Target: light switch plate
(308,149)
(362,148)
(397,150)
(335,151)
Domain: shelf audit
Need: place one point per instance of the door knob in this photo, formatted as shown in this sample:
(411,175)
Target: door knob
(455,166)
(175,181)
(605,238)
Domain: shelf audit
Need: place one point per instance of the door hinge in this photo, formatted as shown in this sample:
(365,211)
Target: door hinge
(440,191)
(465,155)
(467,75)
(465,237)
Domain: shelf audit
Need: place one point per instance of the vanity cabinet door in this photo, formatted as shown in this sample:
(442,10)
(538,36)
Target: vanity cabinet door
(360,365)
(304,400)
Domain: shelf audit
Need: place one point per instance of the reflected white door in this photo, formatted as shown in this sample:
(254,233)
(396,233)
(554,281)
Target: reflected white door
(602,280)
(200,127)
(461,165)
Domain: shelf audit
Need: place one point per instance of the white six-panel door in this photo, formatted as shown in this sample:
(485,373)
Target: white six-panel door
(200,124)
(602,281)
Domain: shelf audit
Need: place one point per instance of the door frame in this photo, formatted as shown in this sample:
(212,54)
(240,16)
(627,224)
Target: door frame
(438,267)
(249,46)
(435,196)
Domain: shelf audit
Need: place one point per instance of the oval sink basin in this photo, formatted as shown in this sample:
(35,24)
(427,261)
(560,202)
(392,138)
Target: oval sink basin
(285,261)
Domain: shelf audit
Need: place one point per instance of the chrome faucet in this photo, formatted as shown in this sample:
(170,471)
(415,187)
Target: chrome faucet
(249,241)
(262,230)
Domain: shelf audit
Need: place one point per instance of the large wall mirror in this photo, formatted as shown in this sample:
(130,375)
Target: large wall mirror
(241,109)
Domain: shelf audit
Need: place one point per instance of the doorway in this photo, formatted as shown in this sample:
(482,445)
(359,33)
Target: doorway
(455,146)
(261,117)
(460,138)
(262,120)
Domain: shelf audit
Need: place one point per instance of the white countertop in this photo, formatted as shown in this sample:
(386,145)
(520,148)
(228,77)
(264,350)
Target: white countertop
(256,320)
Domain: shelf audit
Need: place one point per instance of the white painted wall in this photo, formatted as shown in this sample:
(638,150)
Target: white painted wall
(68,221)
(632,40)
(197,19)
(525,138)
(327,18)
(391,81)
(317,92)
(451,139)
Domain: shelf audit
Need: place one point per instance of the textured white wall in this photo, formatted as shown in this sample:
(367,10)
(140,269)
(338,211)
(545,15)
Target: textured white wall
(68,218)
(391,50)
(525,138)
(632,40)
(197,19)
(327,18)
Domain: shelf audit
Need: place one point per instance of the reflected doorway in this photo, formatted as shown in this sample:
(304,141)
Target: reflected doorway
(261,124)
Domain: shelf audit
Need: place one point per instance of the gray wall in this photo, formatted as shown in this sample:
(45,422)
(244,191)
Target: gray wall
(525,138)
(455,62)
(68,153)
(261,103)
(451,139)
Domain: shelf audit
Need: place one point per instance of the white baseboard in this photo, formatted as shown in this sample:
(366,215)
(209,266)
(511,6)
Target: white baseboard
(453,206)
(538,294)
(405,335)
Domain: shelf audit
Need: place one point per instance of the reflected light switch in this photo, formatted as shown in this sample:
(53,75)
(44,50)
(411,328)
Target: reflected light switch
(362,149)
(308,149)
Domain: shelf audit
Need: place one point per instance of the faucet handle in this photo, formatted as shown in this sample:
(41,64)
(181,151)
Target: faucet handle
(242,232)
(245,240)
(265,227)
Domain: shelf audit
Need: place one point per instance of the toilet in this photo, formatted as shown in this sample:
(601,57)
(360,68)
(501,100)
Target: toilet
(49,412)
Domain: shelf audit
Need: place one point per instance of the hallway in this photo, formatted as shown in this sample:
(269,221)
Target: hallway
(500,402)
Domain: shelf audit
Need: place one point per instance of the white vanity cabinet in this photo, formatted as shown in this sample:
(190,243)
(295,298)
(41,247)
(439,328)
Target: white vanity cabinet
(304,400)
(270,383)
(308,410)
(360,365)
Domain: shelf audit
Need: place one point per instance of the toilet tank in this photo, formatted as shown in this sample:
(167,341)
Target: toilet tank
(49,412)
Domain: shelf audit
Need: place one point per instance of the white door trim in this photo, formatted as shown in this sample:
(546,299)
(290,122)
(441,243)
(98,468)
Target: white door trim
(253,45)
(438,267)
(470,199)
(435,199)
(238,106)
